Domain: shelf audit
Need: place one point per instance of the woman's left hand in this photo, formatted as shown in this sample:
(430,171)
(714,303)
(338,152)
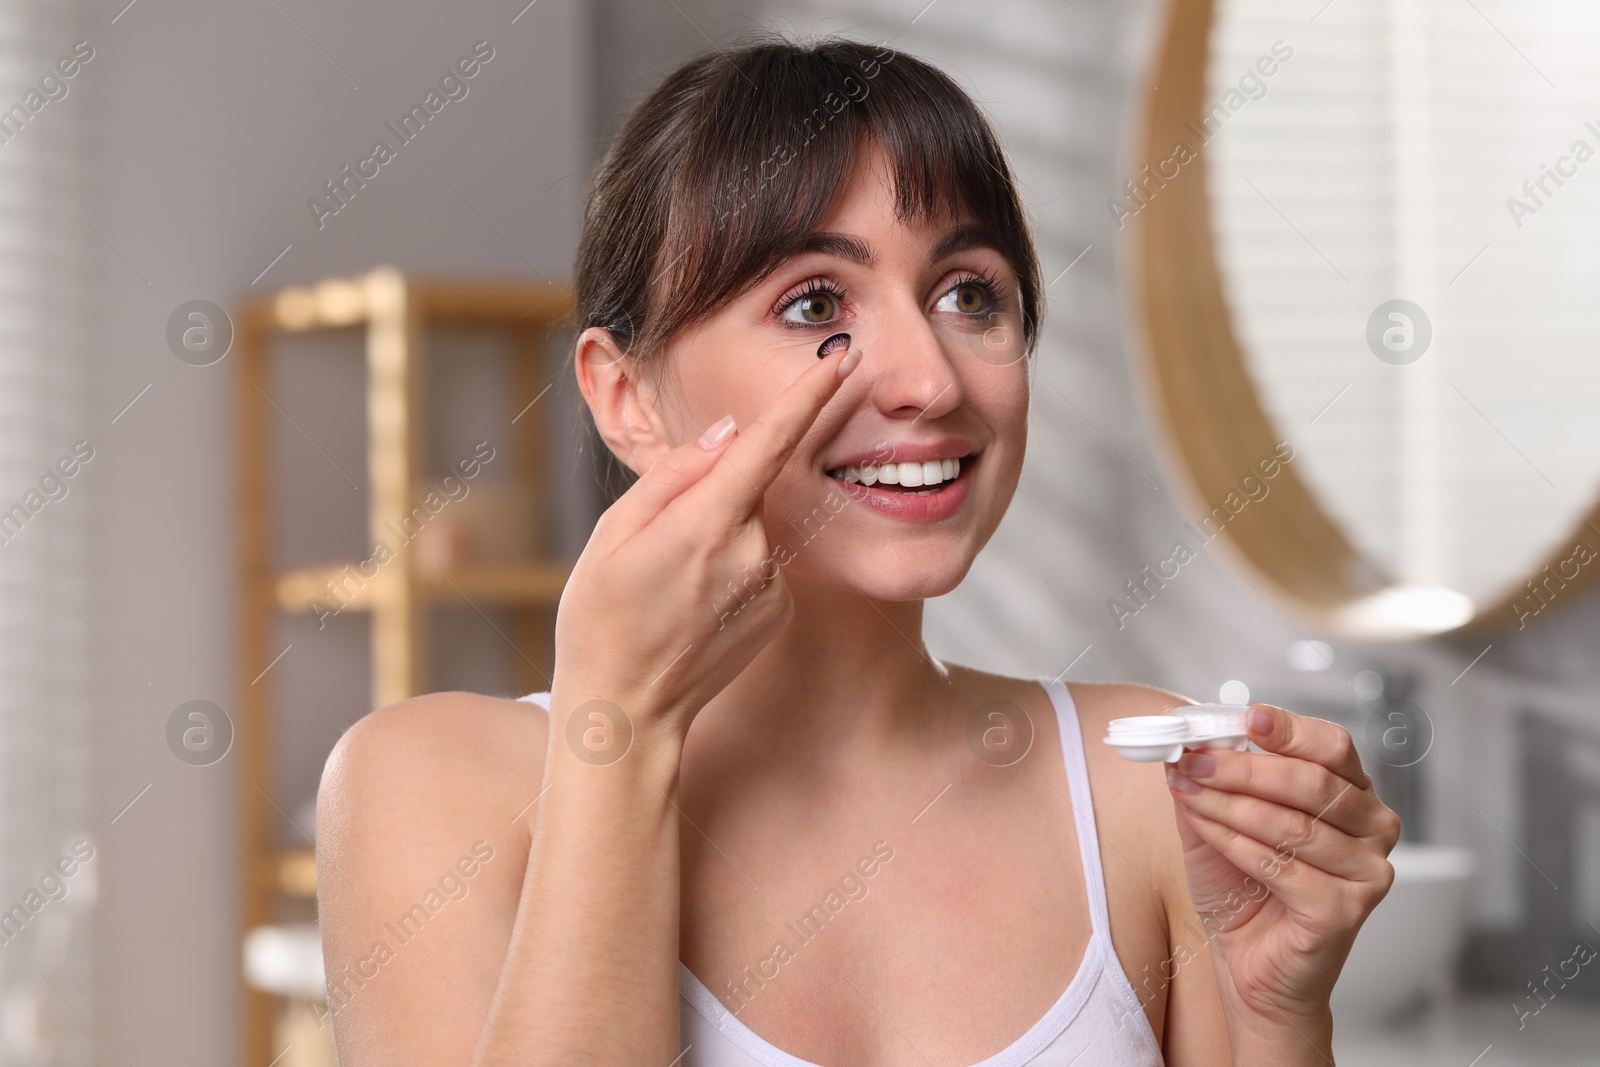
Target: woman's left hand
(1286,854)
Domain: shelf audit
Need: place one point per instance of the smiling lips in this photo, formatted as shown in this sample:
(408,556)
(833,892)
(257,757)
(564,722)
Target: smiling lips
(910,481)
(915,491)
(932,473)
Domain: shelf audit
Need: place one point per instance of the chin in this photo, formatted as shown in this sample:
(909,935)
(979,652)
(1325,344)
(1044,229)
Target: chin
(913,586)
(892,572)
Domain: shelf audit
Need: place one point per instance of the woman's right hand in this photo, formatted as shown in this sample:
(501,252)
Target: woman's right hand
(646,621)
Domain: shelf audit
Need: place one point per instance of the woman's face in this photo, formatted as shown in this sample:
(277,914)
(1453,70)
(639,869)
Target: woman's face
(942,378)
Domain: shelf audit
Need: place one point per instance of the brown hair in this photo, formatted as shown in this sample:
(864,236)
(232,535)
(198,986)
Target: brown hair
(721,173)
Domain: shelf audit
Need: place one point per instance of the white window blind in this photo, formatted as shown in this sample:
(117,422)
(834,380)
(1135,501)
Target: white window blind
(45,643)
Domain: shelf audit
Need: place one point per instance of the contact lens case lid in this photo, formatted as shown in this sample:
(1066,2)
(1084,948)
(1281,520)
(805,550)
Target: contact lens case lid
(1216,723)
(1229,717)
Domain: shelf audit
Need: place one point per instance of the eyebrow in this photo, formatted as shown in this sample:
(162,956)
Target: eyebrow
(846,247)
(963,238)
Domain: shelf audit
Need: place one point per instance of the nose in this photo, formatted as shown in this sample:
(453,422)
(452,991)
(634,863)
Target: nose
(910,373)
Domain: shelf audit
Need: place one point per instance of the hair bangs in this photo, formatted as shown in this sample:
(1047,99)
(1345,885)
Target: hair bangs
(775,135)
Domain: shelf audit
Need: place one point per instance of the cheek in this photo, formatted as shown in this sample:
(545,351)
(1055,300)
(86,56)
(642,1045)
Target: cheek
(1000,399)
(1001,402)
(713,385)
(794,492)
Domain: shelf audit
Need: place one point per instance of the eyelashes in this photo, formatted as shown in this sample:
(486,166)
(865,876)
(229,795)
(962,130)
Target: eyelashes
(987,281)
(806,290)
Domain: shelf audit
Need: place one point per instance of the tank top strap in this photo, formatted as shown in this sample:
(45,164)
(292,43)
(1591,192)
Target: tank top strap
(1082,801)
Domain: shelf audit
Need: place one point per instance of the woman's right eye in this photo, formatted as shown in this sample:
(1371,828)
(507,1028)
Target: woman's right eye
(819,304)
(811,309)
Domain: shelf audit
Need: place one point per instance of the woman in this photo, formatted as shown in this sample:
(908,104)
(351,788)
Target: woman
(760,823)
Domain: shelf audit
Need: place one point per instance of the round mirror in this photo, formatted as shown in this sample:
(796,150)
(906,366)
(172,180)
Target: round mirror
(1366,244)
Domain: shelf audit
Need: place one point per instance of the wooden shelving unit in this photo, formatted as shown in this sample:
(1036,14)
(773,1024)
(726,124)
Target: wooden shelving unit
(395,313)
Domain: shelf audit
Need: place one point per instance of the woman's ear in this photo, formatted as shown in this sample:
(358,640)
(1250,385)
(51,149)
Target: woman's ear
(628,422)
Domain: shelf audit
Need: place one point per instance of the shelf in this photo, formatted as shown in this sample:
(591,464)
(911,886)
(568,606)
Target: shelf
(297,873)
(520,584)
(392,319)
(534,584)
(343,302)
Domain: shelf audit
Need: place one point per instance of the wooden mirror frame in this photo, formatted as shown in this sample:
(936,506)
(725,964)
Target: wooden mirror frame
(1191,364)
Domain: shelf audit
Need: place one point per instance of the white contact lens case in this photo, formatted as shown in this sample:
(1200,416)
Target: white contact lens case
(1162,738)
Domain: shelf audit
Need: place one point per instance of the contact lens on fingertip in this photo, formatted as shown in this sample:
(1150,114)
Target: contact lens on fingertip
(833,344)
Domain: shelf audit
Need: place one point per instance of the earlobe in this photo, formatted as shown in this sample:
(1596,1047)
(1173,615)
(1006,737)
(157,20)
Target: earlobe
(609,379)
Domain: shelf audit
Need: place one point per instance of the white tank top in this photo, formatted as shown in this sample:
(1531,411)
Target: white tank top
(1098,1021)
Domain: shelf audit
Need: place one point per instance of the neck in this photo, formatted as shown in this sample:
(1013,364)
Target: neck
(847,676)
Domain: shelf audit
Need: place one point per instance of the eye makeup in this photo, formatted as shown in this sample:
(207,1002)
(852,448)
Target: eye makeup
(833,344)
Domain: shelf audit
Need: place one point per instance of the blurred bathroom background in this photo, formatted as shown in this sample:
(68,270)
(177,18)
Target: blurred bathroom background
(177,164)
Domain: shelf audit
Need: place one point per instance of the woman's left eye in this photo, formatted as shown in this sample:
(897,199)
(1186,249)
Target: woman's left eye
(972,296)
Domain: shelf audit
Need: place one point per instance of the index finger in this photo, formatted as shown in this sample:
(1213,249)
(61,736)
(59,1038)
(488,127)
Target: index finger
(752,461)
(1317,740)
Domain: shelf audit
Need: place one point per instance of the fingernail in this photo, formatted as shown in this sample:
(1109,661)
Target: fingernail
(1260,721)
(1198,764)
(848,363)
(717,432)
(1181,782)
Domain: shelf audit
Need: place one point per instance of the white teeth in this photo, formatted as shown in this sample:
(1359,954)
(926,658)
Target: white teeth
(930,472)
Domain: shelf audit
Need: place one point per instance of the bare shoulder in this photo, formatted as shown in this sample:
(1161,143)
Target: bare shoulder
(1096,702)
(431,761)
(1143,861)
(1131,799)
(437,738)
(1141,852)
(1132,805)
(1103,701)
(423,819)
